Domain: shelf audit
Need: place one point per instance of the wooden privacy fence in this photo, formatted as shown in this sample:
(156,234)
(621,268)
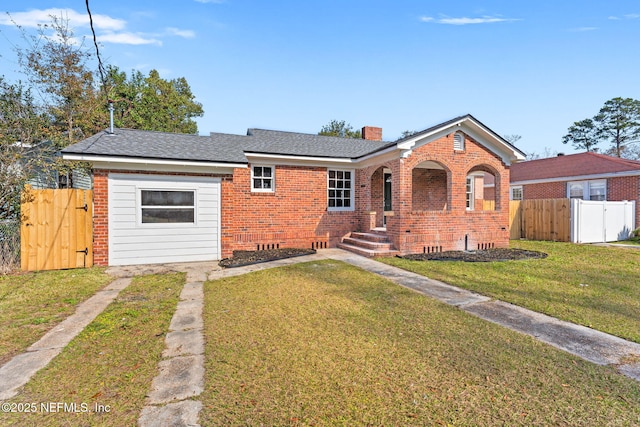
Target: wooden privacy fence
(515,220)
(57,230)
(542,219)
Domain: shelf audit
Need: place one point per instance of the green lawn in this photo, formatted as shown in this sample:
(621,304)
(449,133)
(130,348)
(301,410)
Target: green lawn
(325,343)
(595,286)
(33,303)
(111,363)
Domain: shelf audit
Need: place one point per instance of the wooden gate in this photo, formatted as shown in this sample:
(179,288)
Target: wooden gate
(57,229)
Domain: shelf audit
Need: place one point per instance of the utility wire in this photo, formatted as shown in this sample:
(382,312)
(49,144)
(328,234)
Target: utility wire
(95,42)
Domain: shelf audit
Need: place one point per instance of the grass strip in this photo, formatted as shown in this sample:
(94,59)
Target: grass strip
(594,286)
(111,363)
(33,303)
(324,343)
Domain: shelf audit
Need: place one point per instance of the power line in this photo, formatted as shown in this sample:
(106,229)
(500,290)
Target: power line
(95,42)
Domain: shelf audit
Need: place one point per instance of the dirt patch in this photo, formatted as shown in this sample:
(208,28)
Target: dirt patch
(241,258)
(478,256)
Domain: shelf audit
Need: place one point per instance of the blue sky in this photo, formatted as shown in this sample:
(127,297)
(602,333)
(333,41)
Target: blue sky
(521,67)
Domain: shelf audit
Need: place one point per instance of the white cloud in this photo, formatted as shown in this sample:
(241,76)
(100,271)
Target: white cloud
(466,21)
(128,38)
(108,30)
(187,34)
(33,18)
(627,16)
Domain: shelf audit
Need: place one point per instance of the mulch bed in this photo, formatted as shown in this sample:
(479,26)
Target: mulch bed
(241,258)
(488,255)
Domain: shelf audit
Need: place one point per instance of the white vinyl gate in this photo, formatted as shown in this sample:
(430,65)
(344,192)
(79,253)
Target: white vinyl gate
(601,221)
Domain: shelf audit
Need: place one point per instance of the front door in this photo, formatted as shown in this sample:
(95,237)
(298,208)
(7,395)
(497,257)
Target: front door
(387,196)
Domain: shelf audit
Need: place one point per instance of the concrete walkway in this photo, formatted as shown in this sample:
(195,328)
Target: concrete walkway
(172,400)
(586,343)
(18,371)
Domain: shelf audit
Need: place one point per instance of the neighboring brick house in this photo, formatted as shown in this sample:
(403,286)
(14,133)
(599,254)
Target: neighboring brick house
(588,176)
(163,197)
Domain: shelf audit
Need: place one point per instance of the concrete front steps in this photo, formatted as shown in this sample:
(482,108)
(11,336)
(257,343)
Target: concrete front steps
(368,244)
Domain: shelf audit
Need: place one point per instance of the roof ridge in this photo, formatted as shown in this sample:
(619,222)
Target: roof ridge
(617,159)
(310,134)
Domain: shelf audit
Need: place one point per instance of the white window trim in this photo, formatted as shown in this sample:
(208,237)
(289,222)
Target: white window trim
(352,189)
(273,179)
(586,188)
(139,207)
(514,187)
(471,194)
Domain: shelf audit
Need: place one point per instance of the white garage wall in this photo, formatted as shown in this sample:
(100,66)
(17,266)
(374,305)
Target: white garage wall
(131,242)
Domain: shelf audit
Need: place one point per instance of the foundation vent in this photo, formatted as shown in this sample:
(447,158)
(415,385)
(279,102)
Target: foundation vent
(431,249)
(267,246)
(485,246)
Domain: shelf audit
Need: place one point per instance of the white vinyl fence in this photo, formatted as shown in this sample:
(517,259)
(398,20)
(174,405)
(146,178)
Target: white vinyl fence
(595,221)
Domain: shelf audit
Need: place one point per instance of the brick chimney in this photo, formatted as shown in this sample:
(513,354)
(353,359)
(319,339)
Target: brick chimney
(372,133)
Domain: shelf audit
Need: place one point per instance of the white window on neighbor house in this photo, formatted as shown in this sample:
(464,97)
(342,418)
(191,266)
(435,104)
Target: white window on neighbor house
(587,190)
(262,178)
(167,206)
(516,192)
(469,193)
(340,190)
(458,141)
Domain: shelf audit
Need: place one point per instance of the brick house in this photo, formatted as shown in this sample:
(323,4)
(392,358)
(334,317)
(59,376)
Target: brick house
(588,176)
(161,197)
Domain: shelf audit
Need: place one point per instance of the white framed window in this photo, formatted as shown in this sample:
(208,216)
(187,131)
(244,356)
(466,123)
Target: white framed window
(597,190)
(515,192)
(458,141)
(167,206)
(587,190)
(340,190)
(469,192)
(262,178)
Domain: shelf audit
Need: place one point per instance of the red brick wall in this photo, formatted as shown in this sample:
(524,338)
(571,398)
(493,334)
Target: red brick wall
(294,215)
(413,229)
(377,196)
(547,190)
(454,228)
(100,217)
(429,190)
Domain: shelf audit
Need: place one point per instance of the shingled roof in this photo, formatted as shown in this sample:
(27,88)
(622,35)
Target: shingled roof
(220,147)
(571,166)
(159,145)
(233,149)
(301,144)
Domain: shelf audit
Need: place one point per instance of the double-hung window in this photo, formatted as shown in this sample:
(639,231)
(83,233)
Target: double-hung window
(587,190)
(167,206)
(340,190)
(262,178)
(469,192)
(516,192)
